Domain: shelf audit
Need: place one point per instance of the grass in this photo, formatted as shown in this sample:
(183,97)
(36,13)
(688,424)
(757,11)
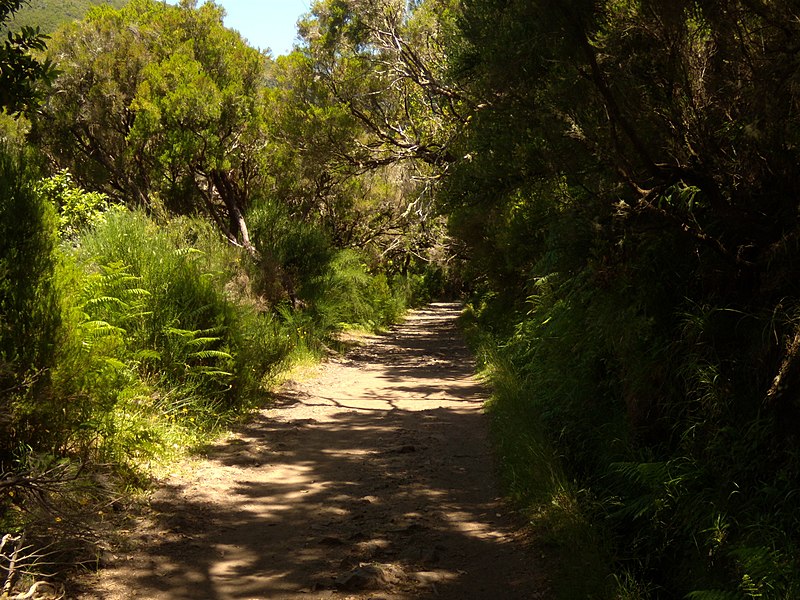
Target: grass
(566,538)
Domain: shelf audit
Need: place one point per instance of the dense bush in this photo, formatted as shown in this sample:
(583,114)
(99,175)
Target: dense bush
(631,223)
(292,251)
(29,310)
(298,263)
(138,335)
(161,325)
(692,483)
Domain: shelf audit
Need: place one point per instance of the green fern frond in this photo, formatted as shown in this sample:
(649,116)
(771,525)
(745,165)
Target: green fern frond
(138,292)
(214,373)
(651,474)
(114,363)
(105,301)
(102,329)
(201,341)
(204,354)
(147,354)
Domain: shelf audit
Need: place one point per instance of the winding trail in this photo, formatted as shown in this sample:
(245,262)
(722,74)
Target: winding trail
(373,479)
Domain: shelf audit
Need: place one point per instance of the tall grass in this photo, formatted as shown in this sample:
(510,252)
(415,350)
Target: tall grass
(168,331)
(536,473)
(159,332)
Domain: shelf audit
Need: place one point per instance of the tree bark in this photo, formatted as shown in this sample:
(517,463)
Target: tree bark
(231,198)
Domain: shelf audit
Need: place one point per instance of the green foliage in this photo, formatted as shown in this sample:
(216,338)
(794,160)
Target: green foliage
(299,263)
(168,112)
(189,323)
(292,251)
(714,595)
(384,61)
(574,550)
(159,348)
(13,130)
(77,208)
(378,206)
(21,73)
(29,305)
(348,294)
(165,327)
(626,203)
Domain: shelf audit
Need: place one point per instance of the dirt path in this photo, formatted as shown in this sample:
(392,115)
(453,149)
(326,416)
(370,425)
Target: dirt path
(373,479)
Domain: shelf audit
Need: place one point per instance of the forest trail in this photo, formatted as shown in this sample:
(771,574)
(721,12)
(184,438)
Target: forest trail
(371,479)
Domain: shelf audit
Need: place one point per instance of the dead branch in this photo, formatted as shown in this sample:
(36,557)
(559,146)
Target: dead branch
(13,559)
(788,363)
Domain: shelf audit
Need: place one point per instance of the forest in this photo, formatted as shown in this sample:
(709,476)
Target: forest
(610,186)
(49,16)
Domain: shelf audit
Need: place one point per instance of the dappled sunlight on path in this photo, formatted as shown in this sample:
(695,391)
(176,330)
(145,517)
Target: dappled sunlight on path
(372,479)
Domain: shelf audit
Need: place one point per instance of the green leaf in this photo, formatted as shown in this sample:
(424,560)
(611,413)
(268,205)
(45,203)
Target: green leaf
(211,354)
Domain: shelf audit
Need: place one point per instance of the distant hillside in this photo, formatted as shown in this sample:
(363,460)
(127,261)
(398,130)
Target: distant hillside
(50,14)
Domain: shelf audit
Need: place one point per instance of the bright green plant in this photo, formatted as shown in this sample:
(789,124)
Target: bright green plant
(77,208)
(347,293)
(185,333)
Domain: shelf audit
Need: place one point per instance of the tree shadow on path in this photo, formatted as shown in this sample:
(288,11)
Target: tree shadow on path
(373,480)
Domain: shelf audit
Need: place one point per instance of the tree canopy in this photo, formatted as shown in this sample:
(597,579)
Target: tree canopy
(159,106)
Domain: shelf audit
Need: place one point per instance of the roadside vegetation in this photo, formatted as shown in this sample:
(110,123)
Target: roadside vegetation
(611,185)
(156,282)
(49,16)
(144,338)
(628,205)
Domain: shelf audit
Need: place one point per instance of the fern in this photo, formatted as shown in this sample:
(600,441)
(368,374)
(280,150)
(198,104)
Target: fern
(205,354)
(650,487)
(202,341)
(765,572)
(95,330)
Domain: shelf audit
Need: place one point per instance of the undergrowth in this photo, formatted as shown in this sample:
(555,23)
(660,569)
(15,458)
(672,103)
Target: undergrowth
(659,475)
(127,341)
(560,513)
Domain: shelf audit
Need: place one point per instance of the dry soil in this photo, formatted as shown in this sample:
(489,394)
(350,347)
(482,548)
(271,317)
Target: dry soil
(371,479)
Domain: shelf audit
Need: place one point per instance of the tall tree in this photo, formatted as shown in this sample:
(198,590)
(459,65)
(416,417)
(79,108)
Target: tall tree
(311,166)
(159,106)
(367,113)
(384,61)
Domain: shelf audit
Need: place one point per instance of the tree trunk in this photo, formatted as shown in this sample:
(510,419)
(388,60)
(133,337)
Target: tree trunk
(231,197)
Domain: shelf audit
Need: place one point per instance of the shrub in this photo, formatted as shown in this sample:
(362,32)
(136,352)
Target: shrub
(29,308)
(347,294)
(77,208)
(292,251)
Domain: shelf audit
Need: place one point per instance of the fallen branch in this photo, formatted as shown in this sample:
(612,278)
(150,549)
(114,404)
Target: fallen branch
(13,560)
(787,364)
